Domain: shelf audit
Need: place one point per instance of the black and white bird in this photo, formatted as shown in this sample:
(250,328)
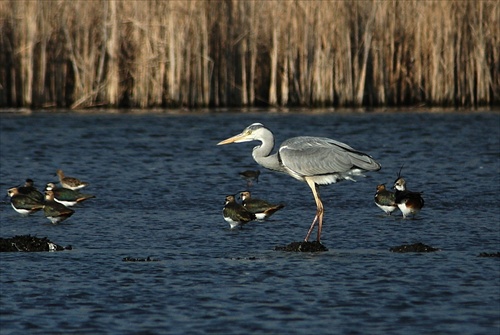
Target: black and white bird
(385,199)
(66,196)
(235,214)
(261,208)
(409,203)
(55,211)
(30,190)
(22,203)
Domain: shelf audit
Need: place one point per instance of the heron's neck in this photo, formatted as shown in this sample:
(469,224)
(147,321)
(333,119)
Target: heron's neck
(262,154)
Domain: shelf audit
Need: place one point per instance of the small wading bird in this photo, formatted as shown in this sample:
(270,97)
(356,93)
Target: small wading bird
(66,196)
(250,176)
(409,203)
(314,160)
(70,182)
(30,190)
(235,214)
(22,203)
(55,211)
(385,199)
(261,208)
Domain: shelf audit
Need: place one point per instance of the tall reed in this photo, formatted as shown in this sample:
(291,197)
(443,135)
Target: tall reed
(118,53)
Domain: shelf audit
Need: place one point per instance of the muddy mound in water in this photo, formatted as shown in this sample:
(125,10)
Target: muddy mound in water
(140,259)
(302,247)
(29,243)
(416,247)
(489,254)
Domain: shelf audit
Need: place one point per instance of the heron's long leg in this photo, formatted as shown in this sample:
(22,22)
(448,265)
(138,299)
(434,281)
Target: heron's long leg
(319,210)
(311,228)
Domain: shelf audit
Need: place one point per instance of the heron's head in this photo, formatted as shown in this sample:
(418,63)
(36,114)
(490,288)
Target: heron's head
(250,133)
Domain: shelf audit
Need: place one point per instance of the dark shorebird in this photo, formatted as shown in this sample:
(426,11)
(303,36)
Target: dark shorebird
(70,182)
(235,214)
(30,190)
(261,208)
(22,203)
(250,176)
(66,196)
(385,199)
(54,211)
(409,203)
(314,160)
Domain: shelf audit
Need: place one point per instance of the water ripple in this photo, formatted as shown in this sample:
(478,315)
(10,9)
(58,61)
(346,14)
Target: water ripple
(160,183)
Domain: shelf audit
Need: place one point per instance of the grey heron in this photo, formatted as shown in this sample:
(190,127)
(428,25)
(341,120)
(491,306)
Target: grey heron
(314,160)
(409,203)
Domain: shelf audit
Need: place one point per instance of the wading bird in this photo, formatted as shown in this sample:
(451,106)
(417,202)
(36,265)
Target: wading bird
(66,196)
(235,214)
(55,211)
(70,182)
(409,203)
(385,199)
(250,176)
(314,160)
(30,190)
(22,203)
(261,208)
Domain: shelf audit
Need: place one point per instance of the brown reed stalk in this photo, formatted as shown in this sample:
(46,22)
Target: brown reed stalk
(229,53)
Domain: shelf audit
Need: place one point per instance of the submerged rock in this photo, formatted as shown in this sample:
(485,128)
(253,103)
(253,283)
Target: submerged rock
(488,254)
(28,243)
(416,247)
(302,247)
(133,259)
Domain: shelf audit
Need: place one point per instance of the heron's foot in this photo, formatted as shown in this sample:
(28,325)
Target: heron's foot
(302,247)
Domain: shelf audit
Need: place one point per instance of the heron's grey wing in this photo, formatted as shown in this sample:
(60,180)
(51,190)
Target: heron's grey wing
(358,159)
(311,156)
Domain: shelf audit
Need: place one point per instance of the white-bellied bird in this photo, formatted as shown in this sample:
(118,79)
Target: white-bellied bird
(408,202)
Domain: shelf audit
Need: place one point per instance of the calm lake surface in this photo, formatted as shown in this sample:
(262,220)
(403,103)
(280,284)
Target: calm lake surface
(160,182)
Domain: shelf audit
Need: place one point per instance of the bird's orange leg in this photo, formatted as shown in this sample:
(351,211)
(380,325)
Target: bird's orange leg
(311,228)
(319,211)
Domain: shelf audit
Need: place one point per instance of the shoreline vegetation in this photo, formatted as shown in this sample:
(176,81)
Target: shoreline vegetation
(214,54)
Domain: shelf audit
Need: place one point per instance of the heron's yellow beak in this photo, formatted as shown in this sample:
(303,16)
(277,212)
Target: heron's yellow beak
(233,139)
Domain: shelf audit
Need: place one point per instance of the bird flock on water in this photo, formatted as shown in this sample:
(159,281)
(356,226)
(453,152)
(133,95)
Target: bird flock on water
(315,161)
(408,202)
(55,201)
(249,209)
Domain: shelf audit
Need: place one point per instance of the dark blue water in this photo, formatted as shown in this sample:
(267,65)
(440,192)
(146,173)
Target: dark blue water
(160,182)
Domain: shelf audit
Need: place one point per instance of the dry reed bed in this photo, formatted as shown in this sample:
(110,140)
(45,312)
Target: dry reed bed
(83,53)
